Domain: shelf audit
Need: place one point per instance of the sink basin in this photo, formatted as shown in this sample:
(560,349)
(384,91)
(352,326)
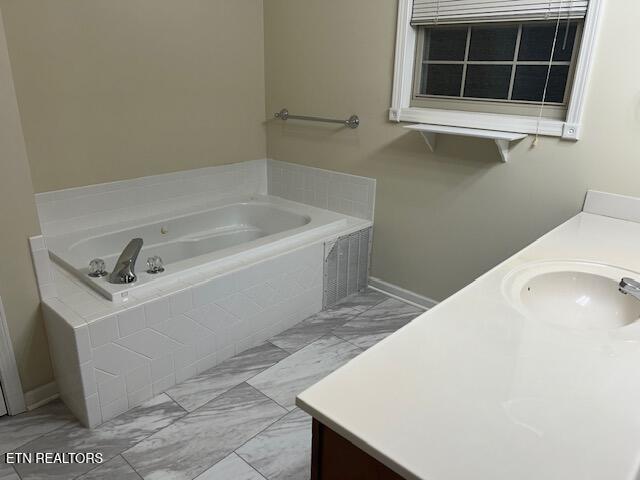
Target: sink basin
(573,295)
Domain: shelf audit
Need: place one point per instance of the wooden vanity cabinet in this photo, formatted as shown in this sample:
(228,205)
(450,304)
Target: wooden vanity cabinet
(335,458)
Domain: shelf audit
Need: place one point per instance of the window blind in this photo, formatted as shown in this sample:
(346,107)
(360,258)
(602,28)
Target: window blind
(434,12)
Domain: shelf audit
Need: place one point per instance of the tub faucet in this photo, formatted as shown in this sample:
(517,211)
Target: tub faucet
(125,266)
(629,286)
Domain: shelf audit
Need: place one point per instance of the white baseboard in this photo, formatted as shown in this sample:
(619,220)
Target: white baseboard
(41,396)
(401,294)
(9,377)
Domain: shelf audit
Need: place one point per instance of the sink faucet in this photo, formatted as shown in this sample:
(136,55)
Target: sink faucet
(629,286)
(125,266)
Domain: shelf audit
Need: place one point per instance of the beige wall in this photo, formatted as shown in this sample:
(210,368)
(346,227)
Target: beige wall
(442,219)
(19,221)
(115,89)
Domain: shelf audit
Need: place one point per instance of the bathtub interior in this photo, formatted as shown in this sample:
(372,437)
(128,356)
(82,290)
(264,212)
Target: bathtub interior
(189,236)
(188,241)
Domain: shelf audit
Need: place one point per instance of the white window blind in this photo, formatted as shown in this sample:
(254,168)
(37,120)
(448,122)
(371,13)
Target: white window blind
(434,12)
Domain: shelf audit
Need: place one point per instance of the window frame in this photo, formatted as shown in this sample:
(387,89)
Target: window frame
(404,78)
(553,110)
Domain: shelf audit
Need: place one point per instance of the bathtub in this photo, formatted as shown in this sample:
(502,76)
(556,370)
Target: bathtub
(194,241)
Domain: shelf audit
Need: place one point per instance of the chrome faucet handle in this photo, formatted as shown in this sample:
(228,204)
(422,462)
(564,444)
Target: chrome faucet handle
(155,265)
(97,268)
(124,271)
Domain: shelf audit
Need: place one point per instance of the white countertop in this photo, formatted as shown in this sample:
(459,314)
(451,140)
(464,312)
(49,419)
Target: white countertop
(473,389)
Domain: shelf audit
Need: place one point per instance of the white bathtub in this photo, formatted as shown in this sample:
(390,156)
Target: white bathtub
(193,240)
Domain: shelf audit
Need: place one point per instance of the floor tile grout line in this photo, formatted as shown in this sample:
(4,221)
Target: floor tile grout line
(362,350)
(411,316)
(262,431)
(175,401)
(254,436)
(373,304)
(94,468)
(132,467)
(281,349)
(392,316)
(251,466)
(223,459)
(121,453)
(104,463)
(186,412)
(234,386)
(350,318)
(180,406)
(271,343)
(301,348)
(371,307)
(358,347)
(267,396)
(16,472)
(66,423)
(69,422)
(241,353)
(324,335)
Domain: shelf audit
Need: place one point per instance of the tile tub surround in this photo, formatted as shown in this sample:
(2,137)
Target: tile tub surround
(107,364)
(239,432)
(348,194)
(94,205)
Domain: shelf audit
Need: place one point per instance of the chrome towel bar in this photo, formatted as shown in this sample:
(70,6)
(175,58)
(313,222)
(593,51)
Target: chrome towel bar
(352,122)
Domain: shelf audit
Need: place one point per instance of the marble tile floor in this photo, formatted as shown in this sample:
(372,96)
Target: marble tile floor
(237,421)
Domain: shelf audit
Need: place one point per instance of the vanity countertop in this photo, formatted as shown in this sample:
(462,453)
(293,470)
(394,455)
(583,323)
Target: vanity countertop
(473,389)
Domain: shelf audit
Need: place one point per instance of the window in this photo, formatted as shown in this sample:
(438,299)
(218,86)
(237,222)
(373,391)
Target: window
(485,65)
(497,68)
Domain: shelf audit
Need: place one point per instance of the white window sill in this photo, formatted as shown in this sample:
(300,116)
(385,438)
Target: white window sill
(503,139)
(486,121)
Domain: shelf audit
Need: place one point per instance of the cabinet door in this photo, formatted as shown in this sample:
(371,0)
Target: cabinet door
(3,407)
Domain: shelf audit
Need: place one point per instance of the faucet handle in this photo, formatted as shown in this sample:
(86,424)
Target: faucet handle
(97,268)
(155,265)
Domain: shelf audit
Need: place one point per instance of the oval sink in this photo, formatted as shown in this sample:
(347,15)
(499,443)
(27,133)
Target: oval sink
(573,295)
